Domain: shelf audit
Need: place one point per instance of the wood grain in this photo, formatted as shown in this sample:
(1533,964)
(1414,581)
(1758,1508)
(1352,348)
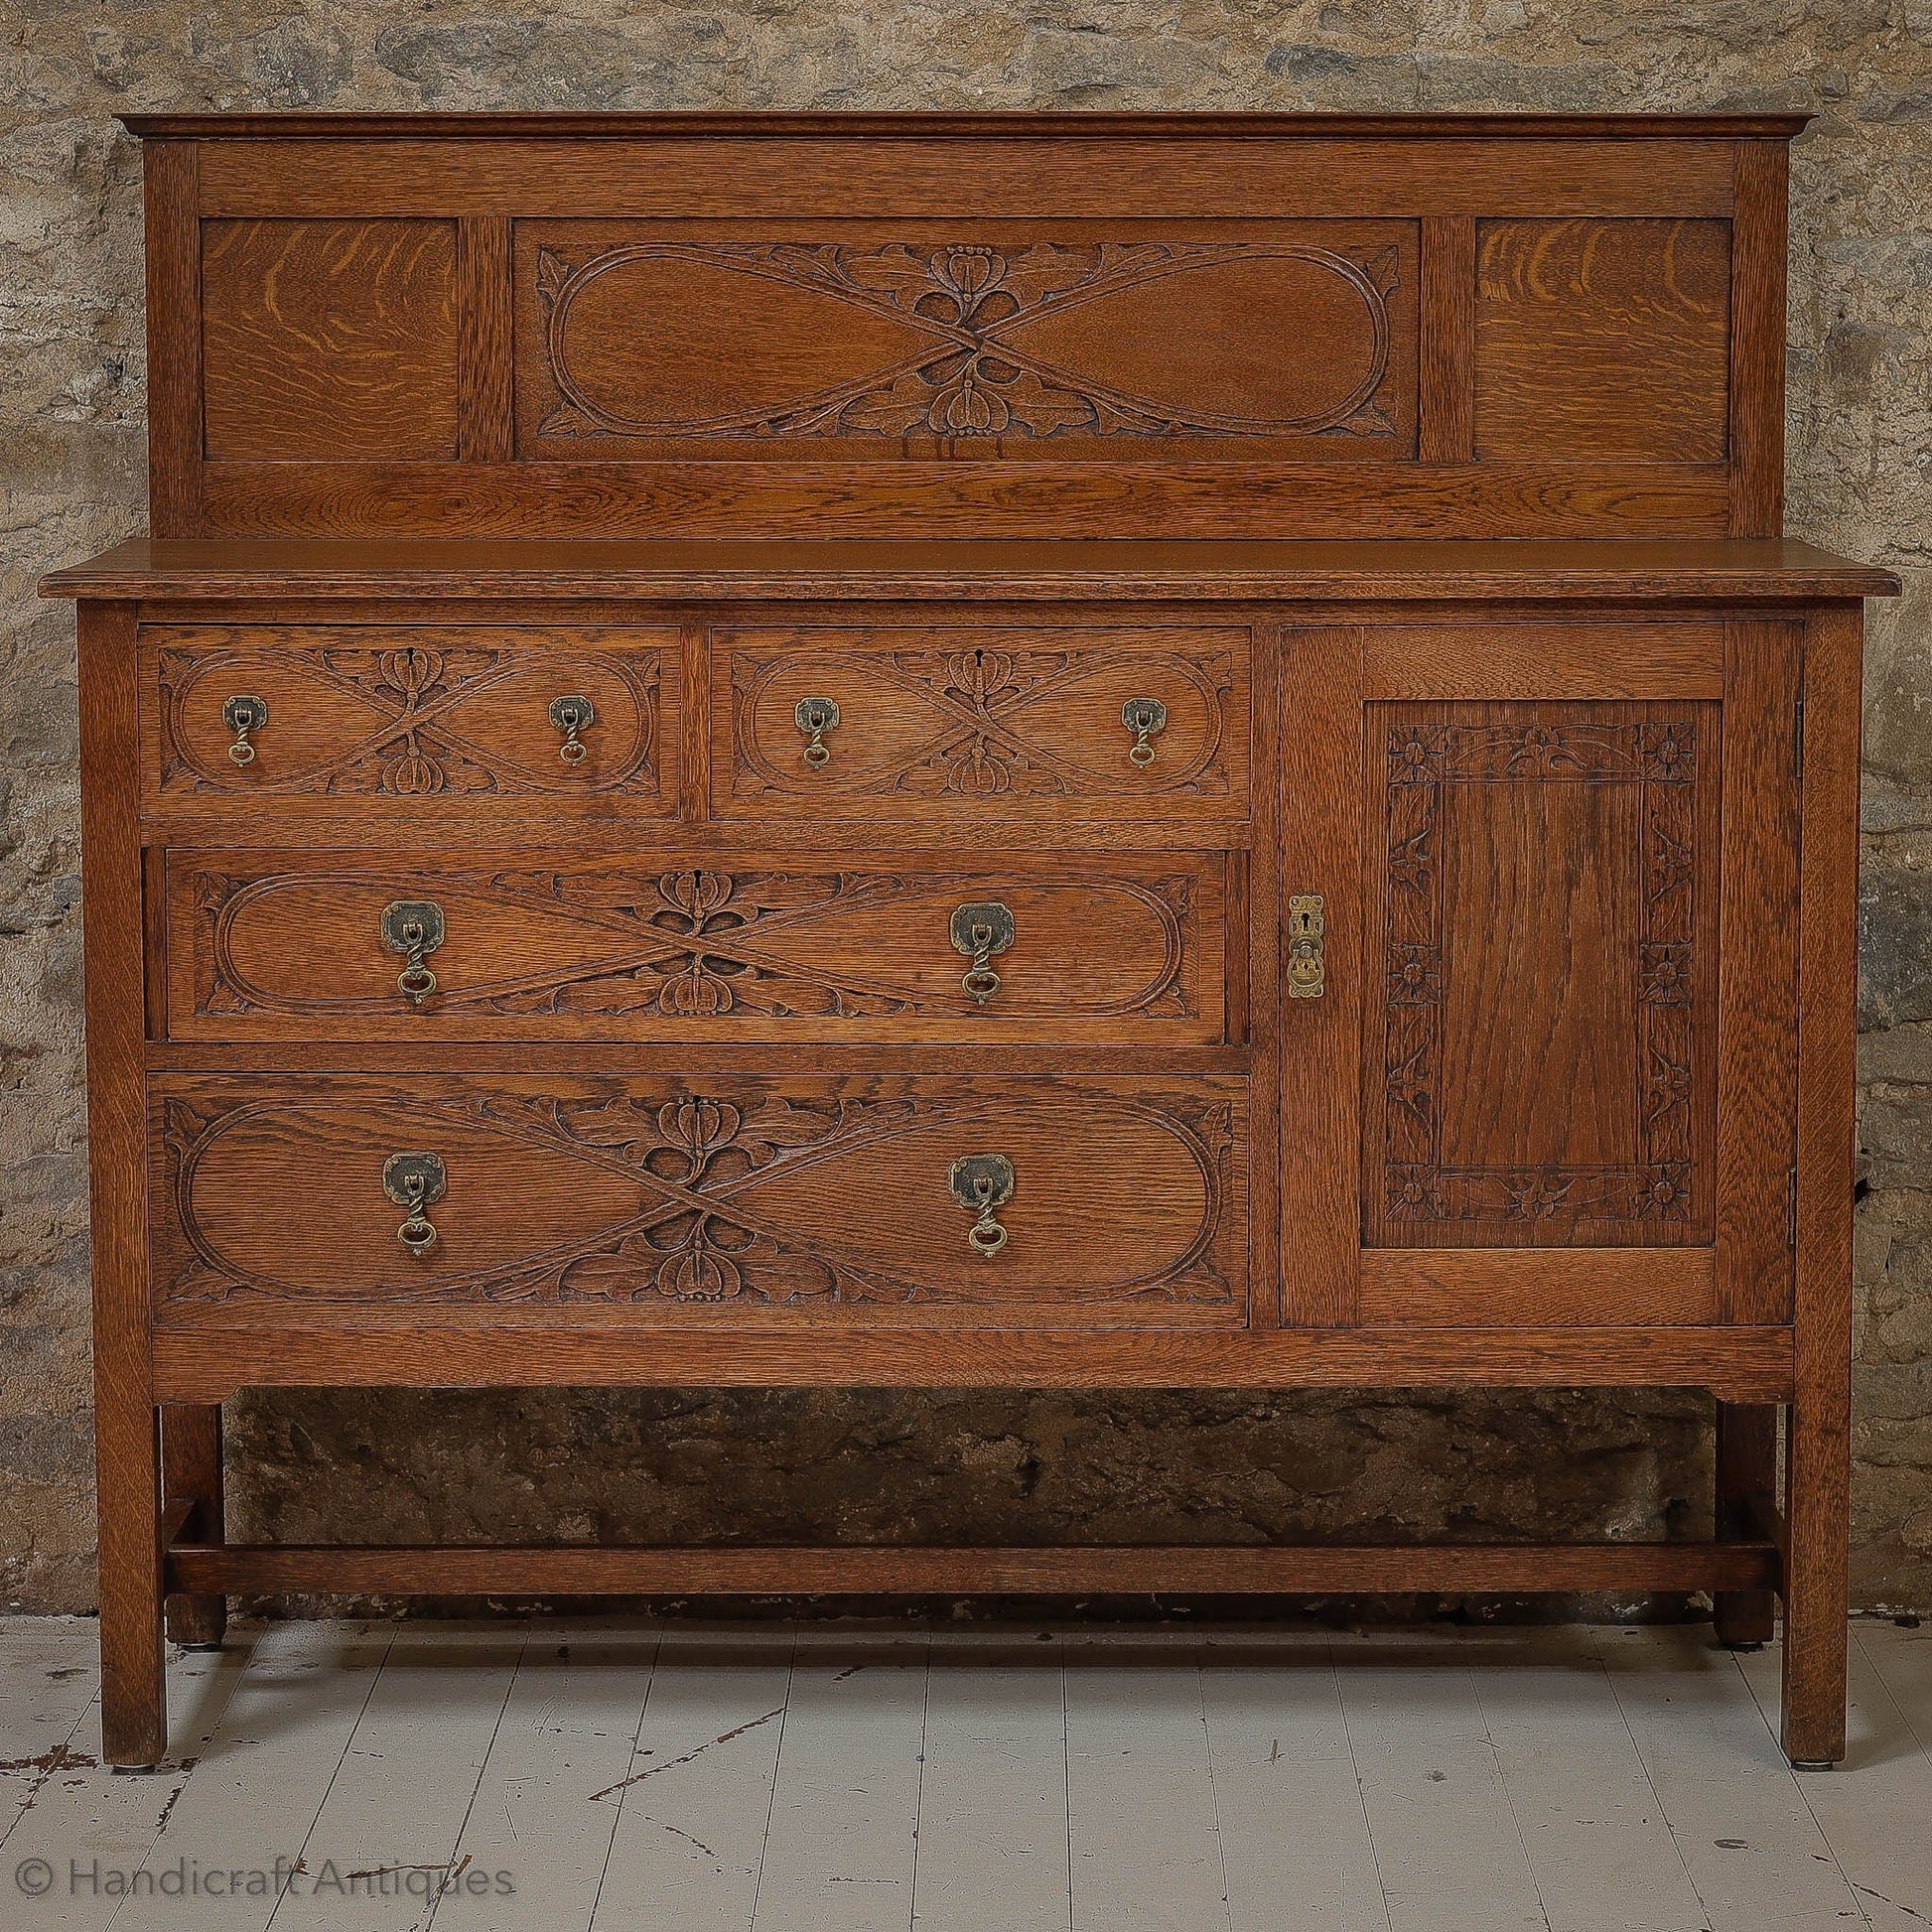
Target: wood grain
(540,1570)
(759,341)
(409,711)
(1446,409)
(1758,296)
(1759,993)
(171,193)
(939,722)
(1589,1288)
(964,498)
(289,944)
(1356,573)
(1542,884)
(1818,1466)
(329,339)
(485,407)
(1598,660)
(1321,783)
(212,1354)
(128,1442)
(668,1200)
(1604,340)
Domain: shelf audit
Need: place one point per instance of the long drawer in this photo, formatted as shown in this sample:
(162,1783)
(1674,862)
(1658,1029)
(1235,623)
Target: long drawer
(287,945)
(236,714)
(858,1198)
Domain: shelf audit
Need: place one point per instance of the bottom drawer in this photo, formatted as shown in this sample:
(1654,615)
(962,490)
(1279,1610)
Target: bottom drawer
(1084,1198)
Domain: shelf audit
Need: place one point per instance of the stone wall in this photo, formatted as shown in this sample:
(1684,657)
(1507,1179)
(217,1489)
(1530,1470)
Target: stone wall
(958,1464)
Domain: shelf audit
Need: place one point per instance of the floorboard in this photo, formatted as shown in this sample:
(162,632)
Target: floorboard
(744,1777)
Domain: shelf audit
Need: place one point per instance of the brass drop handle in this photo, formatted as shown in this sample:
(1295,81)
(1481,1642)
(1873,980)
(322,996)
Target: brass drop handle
(1145,718)
(1308,969)
(572,716)
(979,930)
(414,1181)
(817,717)
(243,714)
(413,928)
(981,1184)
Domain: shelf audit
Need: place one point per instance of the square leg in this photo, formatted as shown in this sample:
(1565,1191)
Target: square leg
(133,1689)
(190,1468)
(1747,1478)
(1817,1585)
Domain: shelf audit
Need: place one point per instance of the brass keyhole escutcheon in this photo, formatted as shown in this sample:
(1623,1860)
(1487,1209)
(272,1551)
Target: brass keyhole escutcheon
(817,717)
(415,1181)
(1307,927)
(979,930)
(413,928)
(572,716)
(1146,718)
(243,714)
(981,1184)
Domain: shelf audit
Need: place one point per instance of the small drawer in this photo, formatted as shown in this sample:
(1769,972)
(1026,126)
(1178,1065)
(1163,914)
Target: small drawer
(934,724)
(360,945)
(868,1197)
(244,712)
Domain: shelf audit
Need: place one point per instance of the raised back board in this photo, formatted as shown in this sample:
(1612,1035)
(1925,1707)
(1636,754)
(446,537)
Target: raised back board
(864,326)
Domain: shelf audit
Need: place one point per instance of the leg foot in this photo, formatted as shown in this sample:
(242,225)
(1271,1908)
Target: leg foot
(134,1770)
(1817,1492)
(133,1689)
(1813,1764)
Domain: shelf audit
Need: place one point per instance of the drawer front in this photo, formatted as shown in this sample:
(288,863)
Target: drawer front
(279,945)
(249,711)
(935,723)
(1105,1198)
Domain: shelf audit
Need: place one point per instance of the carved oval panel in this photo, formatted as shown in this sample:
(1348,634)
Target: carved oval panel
(674,1200)
(982,720)
(263,943)
(1283,331)
(357,711)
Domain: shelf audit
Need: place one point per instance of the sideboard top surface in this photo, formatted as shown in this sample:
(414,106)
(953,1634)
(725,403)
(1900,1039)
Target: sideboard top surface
(1775,569)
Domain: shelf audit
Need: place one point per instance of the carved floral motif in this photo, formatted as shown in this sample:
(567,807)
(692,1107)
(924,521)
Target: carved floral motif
(411,741)
(1426,758)
(966,371)
(986,708)
(692,944)
(695,1165)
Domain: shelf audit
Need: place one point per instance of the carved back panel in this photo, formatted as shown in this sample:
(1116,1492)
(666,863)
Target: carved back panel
(862,325)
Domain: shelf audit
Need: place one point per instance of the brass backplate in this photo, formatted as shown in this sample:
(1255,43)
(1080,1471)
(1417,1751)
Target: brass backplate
(414,1179)
(984,927)
(424,915)
(981,1180)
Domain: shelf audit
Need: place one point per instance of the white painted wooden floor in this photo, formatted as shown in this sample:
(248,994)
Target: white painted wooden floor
(779,1779)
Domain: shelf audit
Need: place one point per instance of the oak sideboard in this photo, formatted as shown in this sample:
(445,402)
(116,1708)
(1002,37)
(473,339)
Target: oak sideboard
(1094,750)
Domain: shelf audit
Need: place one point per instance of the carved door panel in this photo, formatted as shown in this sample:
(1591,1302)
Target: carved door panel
(1572,1037)
(1544,974)
(279,944)
(351,712)
(1117,1200)
(940,724)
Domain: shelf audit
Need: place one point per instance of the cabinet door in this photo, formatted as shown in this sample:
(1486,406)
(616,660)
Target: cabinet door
(1578,867)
